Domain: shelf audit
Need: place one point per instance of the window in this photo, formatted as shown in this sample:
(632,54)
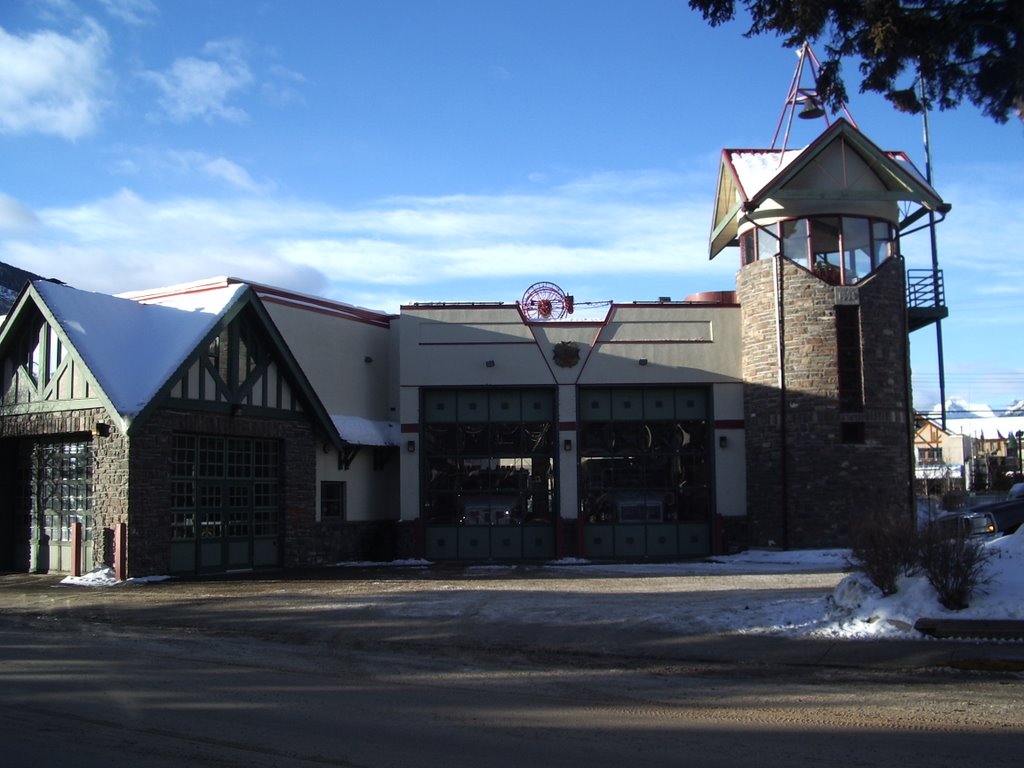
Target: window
(850,373)
(224,486)
(858,256)
(748,249)
(852,432)
(767,242)
(794,240)
(929,455)
(848,351)
(30,350)
(825,249)
(332,500)
(841,250)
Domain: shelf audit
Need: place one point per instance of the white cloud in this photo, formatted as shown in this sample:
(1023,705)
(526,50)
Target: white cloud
(188,165)
(200,88)
(15,217)
(233,174)
(134,12)
(281,88)
(53,84)
(427,247)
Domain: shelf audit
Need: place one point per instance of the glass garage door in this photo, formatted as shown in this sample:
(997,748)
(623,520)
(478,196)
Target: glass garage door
(645,472)
(61,489)
(488,474)
(225,507)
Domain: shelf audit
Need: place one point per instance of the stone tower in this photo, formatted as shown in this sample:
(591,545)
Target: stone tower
(827,409)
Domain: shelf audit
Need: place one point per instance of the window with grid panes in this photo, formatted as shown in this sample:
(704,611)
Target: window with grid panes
(224,486)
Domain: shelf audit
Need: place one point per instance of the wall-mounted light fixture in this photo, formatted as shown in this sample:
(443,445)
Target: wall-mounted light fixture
(643,361)
(100,429)
(489,363)
(567,444)
(723,441)
(411,446)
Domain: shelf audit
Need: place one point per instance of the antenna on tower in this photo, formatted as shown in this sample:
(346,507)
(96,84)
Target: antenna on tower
(802,99)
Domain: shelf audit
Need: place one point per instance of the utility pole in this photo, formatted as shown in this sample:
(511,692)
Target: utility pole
(935,262)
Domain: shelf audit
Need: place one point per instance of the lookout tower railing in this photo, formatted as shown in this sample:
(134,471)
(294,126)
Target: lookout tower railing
(926,297)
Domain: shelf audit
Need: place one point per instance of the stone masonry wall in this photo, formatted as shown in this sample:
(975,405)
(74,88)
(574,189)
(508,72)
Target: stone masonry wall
(755,290)
(150,528)
(109,474)
(805,485)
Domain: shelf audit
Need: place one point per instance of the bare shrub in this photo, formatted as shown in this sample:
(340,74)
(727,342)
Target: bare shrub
(884,548)
(954,565)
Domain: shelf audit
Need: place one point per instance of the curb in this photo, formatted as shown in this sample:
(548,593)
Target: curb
(984,629)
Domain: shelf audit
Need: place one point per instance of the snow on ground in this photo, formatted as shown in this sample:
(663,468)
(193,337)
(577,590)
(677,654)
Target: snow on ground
(855,609)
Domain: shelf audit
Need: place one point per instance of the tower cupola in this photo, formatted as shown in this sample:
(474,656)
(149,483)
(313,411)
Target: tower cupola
(833,207)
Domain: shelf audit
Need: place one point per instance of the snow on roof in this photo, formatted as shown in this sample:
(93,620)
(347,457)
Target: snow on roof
(990,428)
(209,296)
(756,167)
(184,295)
(904,162)
(359,431)
(132,348)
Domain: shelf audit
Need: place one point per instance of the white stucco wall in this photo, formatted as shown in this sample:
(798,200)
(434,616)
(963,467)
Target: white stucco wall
(369,492)
(333,352)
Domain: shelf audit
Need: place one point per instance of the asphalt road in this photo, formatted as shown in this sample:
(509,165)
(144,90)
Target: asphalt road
(387,669)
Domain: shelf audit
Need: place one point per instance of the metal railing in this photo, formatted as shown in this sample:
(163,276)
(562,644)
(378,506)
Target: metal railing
(925,288)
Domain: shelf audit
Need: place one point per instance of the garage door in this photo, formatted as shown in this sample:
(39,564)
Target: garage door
(225,503)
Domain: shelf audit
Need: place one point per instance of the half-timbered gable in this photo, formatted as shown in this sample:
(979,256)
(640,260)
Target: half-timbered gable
(39,369)
(243,364)
(240,367)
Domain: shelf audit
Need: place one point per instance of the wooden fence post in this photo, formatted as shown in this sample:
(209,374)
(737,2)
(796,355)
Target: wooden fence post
(121,551)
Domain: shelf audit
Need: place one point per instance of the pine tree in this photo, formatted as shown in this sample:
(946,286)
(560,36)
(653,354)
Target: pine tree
(918,53)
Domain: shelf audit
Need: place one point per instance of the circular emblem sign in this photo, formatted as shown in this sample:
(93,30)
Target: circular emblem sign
(566,354)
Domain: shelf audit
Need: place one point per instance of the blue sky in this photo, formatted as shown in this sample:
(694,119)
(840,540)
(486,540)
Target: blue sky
(381,152)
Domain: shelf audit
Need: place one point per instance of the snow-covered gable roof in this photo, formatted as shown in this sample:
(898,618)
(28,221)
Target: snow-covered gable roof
(356,430)
(131,349)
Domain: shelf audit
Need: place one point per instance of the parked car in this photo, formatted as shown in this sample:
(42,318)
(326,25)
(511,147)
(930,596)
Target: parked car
(967,523)
(1008,515)
(1016,491)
